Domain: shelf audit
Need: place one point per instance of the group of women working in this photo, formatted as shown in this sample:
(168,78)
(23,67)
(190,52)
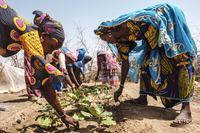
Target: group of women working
(37,41)
(71,64)
(157,38)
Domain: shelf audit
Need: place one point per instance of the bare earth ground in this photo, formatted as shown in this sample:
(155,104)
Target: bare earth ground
(20,114)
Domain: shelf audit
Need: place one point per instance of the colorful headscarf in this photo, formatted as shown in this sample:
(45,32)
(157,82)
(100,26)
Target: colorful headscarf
(68,53)
(51,27)
(80,54)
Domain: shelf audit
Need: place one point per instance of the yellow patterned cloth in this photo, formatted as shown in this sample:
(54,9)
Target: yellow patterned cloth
(16,34)
(31,44)
(41,71)
(123,52)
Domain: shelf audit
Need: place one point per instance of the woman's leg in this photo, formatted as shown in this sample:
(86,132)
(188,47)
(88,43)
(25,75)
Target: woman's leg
(142,99)
(185,116)
(186,89)
(114,79)
(105,76)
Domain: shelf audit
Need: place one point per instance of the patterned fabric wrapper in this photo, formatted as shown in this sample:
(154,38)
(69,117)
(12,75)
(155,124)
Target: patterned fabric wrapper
(160,47)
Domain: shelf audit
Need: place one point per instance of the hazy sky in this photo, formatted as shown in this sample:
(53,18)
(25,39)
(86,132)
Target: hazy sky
(90,13)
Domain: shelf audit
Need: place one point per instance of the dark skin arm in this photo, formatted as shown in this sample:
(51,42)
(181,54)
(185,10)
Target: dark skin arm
(72,76)
(77,71)
(68,81)
(63,69)
(118,35)
(31,43)
(51,97)
(124,72)
(66,77)
(82,75)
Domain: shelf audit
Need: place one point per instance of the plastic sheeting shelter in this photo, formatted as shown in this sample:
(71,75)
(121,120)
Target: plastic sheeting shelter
(11,79)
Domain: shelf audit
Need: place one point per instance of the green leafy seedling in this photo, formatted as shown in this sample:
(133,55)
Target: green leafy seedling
(86,115)
(72,96)
(107,121)
(106,114)
(96,110)
(78,117)
(44,121)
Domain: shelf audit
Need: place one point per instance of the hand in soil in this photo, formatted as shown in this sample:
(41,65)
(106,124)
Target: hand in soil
(117,94)
(69,121)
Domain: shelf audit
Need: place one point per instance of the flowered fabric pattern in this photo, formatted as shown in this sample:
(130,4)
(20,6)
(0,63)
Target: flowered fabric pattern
(108,68)
(28,75)
(16,34)
(164,48)
(70,59)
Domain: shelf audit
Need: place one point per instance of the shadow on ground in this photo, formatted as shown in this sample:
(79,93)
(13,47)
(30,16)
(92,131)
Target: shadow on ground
(127,110)
(16,100)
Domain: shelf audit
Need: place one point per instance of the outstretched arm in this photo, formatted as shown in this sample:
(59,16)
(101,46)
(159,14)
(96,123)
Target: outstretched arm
(124,72)
(62,63)
(51,97)
(43,73)
(72,75)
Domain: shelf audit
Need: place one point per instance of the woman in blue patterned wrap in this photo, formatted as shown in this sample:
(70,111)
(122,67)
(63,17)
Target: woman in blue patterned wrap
(159,42)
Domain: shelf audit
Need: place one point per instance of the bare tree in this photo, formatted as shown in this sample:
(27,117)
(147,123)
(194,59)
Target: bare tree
(81,37)
(101,45)
(17,60)
(67,40)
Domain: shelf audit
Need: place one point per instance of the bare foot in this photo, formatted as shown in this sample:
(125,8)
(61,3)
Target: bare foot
(183,118)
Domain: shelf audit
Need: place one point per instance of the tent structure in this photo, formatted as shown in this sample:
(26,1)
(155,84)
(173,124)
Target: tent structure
(11,78)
